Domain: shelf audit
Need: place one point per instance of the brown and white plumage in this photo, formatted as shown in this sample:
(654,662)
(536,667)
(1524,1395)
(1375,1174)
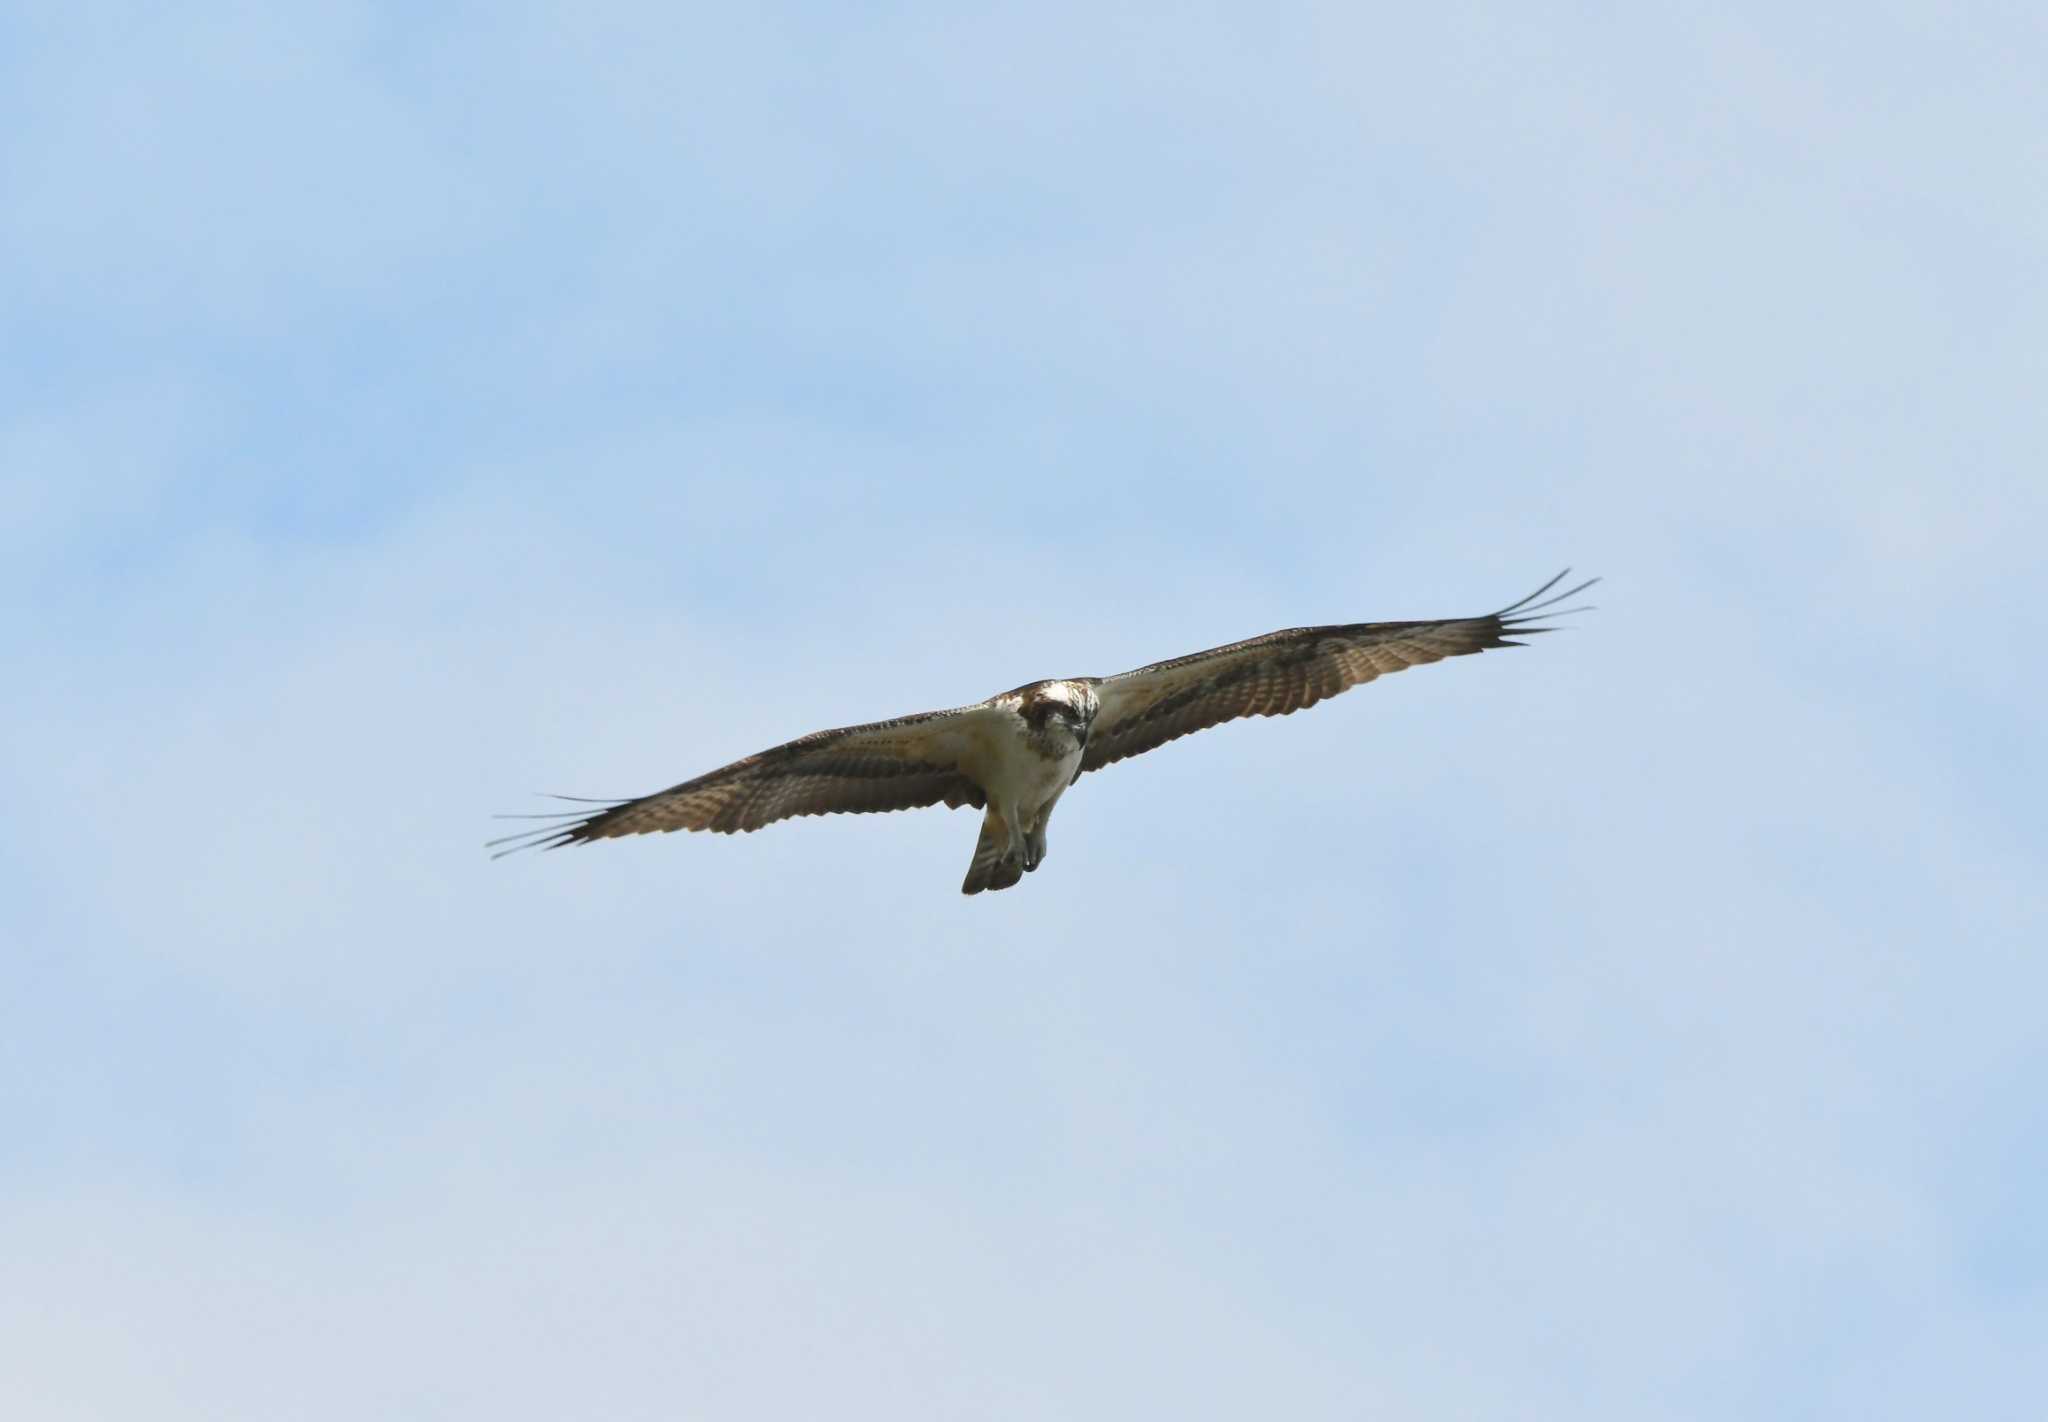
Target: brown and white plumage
(1015,754)
(1282,672)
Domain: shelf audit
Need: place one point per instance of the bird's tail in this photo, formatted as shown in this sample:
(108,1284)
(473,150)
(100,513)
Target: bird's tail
(997,865)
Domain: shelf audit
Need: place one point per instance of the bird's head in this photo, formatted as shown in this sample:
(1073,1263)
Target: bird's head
(1071,704)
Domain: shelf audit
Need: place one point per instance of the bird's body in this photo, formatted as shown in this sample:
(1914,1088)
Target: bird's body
(1036,737)
(1013,755)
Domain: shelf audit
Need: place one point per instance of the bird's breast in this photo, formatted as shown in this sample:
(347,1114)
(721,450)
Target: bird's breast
(1029,766)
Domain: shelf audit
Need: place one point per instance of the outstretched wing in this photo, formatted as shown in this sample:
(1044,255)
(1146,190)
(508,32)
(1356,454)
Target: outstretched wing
(902,764)
(1282,672)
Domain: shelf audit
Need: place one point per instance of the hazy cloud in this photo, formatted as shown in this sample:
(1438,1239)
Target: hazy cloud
(413,414)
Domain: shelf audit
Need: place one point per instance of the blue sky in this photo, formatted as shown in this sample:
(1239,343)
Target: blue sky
(402,412)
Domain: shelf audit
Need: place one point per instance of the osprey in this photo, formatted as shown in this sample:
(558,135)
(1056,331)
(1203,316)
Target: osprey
(1013,755)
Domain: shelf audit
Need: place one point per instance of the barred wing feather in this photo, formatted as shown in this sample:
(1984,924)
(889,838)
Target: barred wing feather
(903,764)
(1282,672)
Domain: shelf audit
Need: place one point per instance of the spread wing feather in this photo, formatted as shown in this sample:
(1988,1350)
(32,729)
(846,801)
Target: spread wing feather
(1282,672)
(903,764)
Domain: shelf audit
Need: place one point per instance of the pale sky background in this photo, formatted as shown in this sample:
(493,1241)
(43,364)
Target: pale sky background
(404,410)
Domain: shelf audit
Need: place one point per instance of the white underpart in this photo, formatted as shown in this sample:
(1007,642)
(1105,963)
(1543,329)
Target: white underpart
(1023,783)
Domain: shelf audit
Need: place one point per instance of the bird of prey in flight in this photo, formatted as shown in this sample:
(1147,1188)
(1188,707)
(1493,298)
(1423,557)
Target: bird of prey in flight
(1013,755)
